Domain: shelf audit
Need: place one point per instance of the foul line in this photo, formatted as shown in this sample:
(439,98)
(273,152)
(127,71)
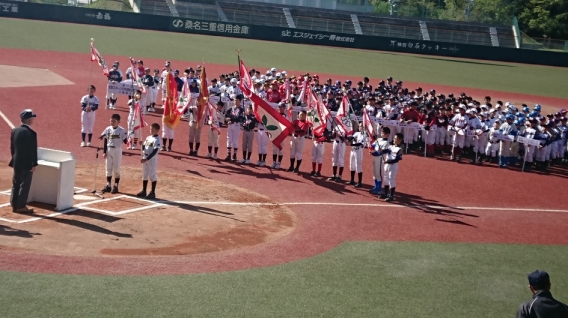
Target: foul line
(379,205)
(7,120)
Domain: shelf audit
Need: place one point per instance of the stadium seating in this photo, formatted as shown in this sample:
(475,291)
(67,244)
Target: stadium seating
(389,27)
(322,20)
(157,7)
(445,31)
(253,13)
(197,11)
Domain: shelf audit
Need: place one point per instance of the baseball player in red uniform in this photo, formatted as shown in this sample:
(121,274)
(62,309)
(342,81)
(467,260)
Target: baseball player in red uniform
(300,127)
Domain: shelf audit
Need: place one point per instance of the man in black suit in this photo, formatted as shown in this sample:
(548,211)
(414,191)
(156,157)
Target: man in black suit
(23,146)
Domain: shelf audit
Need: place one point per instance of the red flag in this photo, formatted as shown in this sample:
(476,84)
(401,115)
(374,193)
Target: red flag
(368,124)
(96,56)
(342,117)
(211,111)
(171,116)
(277,126)
(136,76)
(246,82)
(203,97)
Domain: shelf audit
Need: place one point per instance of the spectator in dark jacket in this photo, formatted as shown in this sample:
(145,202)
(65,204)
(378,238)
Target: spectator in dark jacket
(543,305)
(23,147)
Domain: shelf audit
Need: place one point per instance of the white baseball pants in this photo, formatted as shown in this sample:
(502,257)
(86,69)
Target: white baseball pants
(296,147)
(87,122)
(409,135)
(262,141)
(113,162)
(213,138)
(474,142)
(194,132)
(458,140)
(430,137)
(389,175)
(441,136)
(248,137)
(356,159)
(167,132)
(149,169)
(378,168)
(276,151)
(233,132)
(338,154)
(505,148)
(317,152)
(492,149)
(153,94)
(135,133)
(529,153)
(482,142)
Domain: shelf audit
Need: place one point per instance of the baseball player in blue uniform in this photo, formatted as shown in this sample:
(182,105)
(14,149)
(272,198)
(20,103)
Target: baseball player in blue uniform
(234,117)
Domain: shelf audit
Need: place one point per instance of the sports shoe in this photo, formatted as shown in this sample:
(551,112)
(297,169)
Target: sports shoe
(141,194)
(263,164)
(215,156)
(242,161)
(273,165)
(164,148)
(152,109)
(350,182)
(312,174)
(234,158)
(170,149)
(114,189)
(151,196)
(208,155)
(106,189)
(107,106)
(318,174)
(383,196)
(389,198)
(129,148)
(290,169)
(358,185)
(83,144)
(331,178)
(338,179)
(278,167)
(247,161)
(377,192)
(258,163)
(296,170)
(228,158)
(88,144)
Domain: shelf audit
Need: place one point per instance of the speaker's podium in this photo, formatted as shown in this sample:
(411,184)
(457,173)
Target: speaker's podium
(54,179)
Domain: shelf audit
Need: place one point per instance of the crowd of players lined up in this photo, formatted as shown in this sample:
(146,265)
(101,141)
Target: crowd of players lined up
(457,125)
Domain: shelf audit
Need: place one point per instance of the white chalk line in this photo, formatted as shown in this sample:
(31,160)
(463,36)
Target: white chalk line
(159,203)
(7,120)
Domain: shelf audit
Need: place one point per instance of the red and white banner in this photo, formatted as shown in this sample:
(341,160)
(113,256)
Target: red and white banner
(138,118)
(137,75)
(96,56)
(211,112)
(342,119)
(277,126)
(324,116)
(245,84)
(368,124)
(184,99)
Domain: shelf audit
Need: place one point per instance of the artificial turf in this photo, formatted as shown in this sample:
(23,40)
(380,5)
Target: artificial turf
(357,279)
(507,77)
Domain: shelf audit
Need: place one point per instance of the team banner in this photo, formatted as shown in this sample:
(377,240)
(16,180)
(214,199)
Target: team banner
(368,126)
(136,76)
(246,82)
(96,56)
(277,126)
(343,120)
(137,119)
(123,88)
(528,141)
(211,112)
(171,116)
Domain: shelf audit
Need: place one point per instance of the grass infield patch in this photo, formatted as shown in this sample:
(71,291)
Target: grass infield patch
(506,77)
(357,279)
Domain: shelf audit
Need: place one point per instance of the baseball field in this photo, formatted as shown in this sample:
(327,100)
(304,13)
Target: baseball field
(231,240)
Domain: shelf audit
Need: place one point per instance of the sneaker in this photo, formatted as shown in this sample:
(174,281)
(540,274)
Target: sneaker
(278,167)
(164,148)
(242,161)
(389,198)
(383,196)
(141,194)
(83,144)
(318,174)
(170,149)
(273,165)
(247,161)
(208,155)
(296,170)
(258,163)
(376,192)
(234,158)
(107,106)
(290,169)
(106,189)
(151,196)
(88,144)
(215,156)
(331,178)
(312,174)
(152,109)
(358,185)
(350,182)
(114,189)
(228,158)
(263,164)
(129,148)
(338,179)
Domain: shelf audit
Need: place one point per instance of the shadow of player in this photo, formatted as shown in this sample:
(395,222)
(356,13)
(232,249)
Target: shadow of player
(266,173)
(200,209)
(8,231)
(430,206)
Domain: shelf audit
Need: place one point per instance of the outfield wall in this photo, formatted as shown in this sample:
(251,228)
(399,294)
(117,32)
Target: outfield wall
(26,10)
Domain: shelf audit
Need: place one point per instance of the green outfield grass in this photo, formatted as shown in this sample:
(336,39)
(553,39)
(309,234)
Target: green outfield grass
(530,79)
(357,279)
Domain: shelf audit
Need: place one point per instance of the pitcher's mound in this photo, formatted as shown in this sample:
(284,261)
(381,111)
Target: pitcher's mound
(190,215)
(18,76)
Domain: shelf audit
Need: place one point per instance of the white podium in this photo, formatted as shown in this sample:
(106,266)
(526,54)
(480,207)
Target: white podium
(54,179)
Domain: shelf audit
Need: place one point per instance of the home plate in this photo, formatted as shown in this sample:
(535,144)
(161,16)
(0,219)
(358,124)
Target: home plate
(80,197)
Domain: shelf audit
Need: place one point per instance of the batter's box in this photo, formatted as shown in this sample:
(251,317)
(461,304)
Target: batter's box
(118,205)
(41,211)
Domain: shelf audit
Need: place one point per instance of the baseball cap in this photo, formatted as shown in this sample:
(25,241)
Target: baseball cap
(273,69)
(239,97)
(27,114)
(281,104)
(140,62)
(234,80)
(167,63)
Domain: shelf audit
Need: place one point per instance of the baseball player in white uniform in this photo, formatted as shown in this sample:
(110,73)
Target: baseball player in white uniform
(337,155)
(318,149)
(493,142)
(89,105)
(262,142)
(114,136)
(234,117)
(379,146)
(507,128)
(150,149)
(472,138)
(358,140)
(391,157)
(459,124)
